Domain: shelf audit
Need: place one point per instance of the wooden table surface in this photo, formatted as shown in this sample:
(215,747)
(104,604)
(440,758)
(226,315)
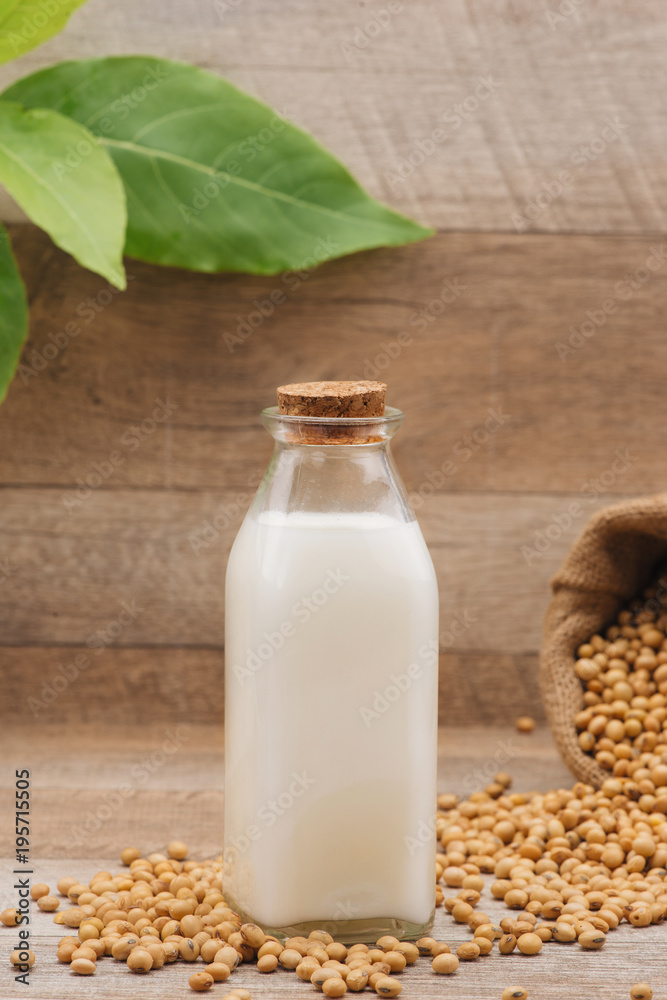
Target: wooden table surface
(95,791)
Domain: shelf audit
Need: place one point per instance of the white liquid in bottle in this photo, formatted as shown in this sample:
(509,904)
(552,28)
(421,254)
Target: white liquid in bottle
(331,674)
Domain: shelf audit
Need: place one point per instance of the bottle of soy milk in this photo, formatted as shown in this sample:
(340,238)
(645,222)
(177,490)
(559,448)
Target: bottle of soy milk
(331,680)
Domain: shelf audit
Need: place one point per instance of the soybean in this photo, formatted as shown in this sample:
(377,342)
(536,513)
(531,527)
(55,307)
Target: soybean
(22,956)
(591,939)
(356,981)
(48,904)
(290,958)
(139,960)
(386,987)
(177,850)
(334,987)
(83,967)
(445,964)
(529,944)
(624,677)
(200,981)
(218,971)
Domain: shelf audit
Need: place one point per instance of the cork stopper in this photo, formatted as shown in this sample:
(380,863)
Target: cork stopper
(332,399)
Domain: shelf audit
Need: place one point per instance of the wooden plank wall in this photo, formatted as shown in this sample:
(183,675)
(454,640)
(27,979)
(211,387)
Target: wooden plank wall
(519,91)
(505,429)
(524,432)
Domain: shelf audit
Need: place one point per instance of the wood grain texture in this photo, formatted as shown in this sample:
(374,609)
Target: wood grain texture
(630,955)
(182,797)
(76,686)
(373,82)
(159,782)
(489,403)
(501,438)
(123,571)
(70,684)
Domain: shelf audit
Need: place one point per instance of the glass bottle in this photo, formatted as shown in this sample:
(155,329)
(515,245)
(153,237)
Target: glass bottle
(331,690)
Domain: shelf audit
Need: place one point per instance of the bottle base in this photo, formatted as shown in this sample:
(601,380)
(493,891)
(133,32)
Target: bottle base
(363,931)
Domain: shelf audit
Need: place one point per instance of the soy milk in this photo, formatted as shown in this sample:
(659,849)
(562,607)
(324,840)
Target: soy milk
(331,721)
(335,765)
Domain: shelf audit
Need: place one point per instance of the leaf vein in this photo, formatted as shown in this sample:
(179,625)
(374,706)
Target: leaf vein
(241,182)
(172,196)
(61,201)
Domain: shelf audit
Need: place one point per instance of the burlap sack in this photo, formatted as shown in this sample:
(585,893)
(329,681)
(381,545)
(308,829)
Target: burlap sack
(615,557)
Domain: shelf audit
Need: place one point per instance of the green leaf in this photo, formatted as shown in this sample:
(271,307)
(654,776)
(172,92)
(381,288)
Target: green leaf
(13,313)
(215,180)
(25,24)
(66,183)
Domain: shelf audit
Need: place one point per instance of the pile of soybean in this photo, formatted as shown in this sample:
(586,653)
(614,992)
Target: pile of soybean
(624,675)
(569,864)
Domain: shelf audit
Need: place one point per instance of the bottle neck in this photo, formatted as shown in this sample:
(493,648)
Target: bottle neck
(315,468)
(332,430)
